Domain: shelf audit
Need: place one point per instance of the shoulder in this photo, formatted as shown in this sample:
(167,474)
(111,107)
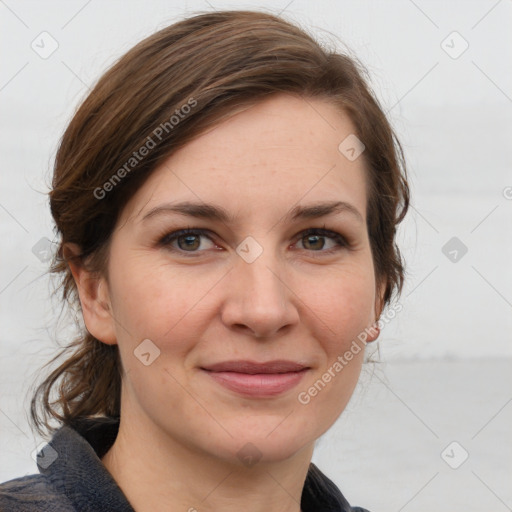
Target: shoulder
(32,493)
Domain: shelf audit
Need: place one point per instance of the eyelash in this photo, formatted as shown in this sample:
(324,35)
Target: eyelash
(168,238)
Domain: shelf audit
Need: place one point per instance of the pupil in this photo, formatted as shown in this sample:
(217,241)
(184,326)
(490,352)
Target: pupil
(315,238)
(190,239)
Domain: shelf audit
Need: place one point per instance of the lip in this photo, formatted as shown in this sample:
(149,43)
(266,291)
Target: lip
(252,367)
(257,379)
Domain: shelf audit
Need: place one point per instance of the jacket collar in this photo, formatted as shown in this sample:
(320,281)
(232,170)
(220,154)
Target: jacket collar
(77,470)
(73,465)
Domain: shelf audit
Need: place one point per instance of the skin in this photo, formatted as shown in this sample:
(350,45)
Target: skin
(180,430)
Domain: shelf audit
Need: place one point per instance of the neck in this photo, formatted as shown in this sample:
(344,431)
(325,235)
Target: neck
(156,472)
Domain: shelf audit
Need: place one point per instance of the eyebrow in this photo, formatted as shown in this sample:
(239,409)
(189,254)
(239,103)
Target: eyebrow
(218,213)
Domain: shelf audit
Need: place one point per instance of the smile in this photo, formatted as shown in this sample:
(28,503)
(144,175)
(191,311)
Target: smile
(257,379)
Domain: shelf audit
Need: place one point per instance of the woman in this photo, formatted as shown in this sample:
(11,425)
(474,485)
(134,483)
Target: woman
(227,198)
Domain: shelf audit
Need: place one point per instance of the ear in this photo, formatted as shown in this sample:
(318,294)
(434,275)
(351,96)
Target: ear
(374,331)
(379,300)
(94,297)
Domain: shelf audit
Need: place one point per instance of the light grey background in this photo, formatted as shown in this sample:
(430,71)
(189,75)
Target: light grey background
(446,374)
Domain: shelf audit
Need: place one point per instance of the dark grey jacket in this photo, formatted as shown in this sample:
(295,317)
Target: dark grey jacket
(72,477)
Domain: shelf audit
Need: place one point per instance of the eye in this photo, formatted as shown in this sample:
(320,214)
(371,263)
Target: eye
(313,239)
(189,240)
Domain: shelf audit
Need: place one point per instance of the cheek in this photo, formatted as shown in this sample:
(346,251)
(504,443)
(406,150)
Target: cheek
(343,306)
(340,311)
(154,300)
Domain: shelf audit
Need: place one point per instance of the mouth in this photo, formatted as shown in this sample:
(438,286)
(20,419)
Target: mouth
(257,379)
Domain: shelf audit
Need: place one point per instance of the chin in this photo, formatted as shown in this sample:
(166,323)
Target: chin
(270,444)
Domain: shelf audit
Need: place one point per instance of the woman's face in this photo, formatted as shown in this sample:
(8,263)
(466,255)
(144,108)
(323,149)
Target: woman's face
(253,286)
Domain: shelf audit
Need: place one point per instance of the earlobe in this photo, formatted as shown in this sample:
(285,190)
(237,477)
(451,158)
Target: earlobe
(94,297)
(372,332)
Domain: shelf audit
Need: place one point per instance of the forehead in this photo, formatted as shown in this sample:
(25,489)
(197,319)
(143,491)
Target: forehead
(262,161)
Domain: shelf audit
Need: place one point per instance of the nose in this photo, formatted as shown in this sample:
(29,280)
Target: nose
(259,301)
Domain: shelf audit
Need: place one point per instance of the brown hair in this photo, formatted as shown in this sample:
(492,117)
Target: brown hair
(215,63)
